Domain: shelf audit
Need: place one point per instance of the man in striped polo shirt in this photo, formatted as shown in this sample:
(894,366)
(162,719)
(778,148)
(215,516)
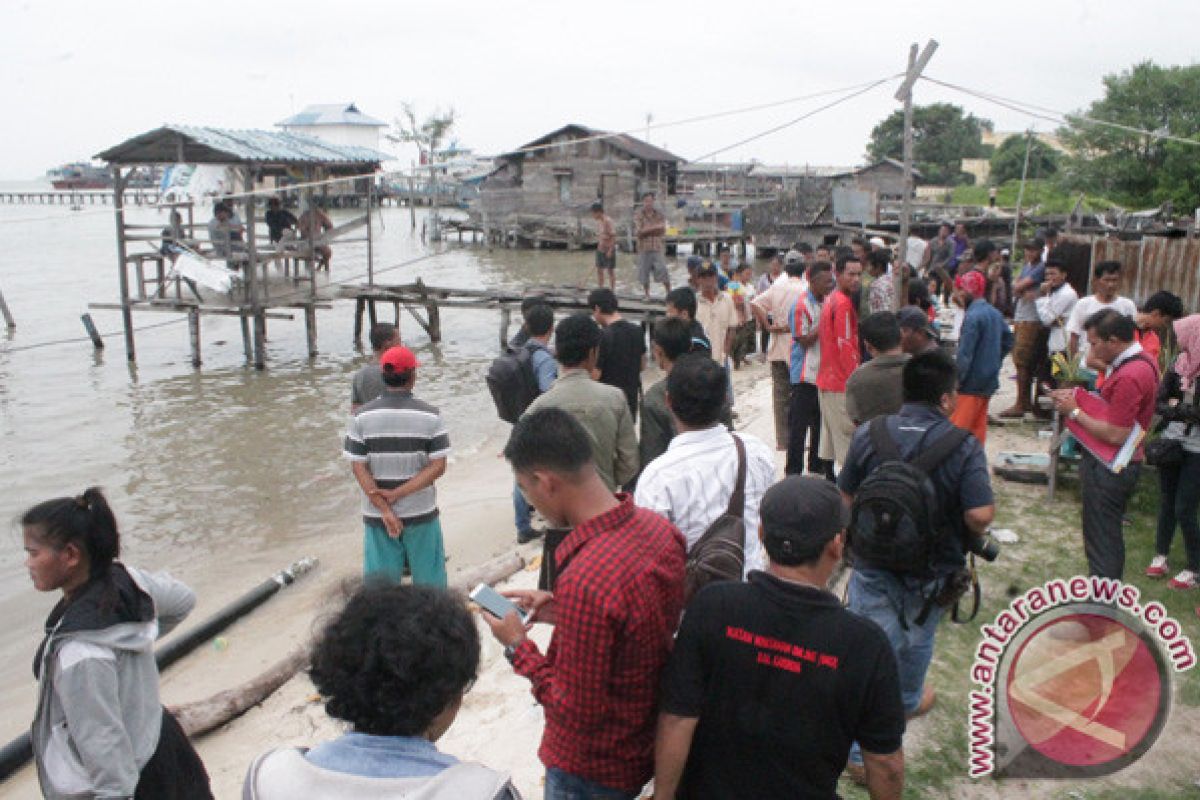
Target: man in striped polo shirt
(397,446)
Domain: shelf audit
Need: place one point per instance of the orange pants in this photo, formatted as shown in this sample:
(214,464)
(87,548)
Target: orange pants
(971,414)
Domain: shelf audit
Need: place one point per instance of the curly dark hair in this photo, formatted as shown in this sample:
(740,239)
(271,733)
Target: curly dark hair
(395,658)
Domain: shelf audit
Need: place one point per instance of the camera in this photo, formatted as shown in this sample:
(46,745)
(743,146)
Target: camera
(983,546)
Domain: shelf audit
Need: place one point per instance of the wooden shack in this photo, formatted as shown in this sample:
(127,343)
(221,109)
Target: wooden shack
(541,193)
(146,275)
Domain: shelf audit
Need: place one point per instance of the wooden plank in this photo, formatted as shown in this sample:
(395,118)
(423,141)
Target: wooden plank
(184,308)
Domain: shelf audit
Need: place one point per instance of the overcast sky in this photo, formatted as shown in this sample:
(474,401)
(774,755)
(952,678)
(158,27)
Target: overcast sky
(80,76)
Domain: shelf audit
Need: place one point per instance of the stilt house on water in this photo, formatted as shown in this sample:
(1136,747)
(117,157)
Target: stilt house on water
(255,275)
(540,194)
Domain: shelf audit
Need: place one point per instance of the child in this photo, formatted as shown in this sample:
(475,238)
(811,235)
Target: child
(100,730)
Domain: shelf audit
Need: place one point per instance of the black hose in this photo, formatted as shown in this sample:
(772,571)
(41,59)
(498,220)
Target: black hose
(19,751)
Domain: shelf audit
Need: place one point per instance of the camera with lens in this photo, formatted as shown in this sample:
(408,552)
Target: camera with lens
(983,546)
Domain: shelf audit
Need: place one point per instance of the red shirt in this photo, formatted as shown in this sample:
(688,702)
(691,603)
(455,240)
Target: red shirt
(839,342)
(618,601)
(1130,390)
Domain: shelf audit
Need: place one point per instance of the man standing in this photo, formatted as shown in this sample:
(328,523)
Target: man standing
(367,383)
(622,347)
(539,324)
(672,341)
(918,334)
(1154,320)
(728,703)
(1106,280)
(314,223)
(982,345)
(804,405)
(882,294)
(715,313)
(681,304)
(692,483)
(838,337)
(902,604)
(614,611)
(606,247)
(771,310)
(602,410)
(876,388)
(937,256)
(650,228)
(1126,399)
(1055,303)
(397,447)
(1029,345)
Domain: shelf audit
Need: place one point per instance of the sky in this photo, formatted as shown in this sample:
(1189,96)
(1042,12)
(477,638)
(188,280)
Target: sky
(77,77)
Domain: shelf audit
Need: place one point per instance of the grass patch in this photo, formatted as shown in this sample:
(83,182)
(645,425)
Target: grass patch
(1050,547)
(1045,193)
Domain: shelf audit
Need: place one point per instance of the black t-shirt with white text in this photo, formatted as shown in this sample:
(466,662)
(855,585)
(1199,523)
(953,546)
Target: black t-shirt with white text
(783,680)
(622,345)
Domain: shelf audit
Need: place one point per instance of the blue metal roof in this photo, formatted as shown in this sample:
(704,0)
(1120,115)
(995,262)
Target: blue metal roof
(173,144)
(331,114)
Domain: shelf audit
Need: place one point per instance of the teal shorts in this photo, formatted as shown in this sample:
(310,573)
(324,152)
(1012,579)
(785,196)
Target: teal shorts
(419,546)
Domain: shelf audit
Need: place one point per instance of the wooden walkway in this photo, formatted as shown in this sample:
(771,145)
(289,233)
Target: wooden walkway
(78,197)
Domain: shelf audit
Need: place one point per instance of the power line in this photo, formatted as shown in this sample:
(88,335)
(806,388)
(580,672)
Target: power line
(1058,117)
(802,117)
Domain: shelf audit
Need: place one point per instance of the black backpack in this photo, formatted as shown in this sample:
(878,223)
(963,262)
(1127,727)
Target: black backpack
(896,522)
(512,382)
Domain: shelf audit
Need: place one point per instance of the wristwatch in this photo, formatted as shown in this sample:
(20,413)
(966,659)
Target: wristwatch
(510,652)
(1075,412)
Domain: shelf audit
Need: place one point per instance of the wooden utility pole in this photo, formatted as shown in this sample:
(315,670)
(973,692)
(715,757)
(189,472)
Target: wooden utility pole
(123,274)
(916,64)
(1021,194)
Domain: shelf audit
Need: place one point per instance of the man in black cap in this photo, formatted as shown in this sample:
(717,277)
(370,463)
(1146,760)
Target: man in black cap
(918,333)
(775,673)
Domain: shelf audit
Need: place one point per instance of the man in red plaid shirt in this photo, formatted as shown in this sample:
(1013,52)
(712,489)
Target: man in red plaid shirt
(615,608)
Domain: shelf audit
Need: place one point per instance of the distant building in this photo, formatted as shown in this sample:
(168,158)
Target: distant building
(543,190)
(336,123)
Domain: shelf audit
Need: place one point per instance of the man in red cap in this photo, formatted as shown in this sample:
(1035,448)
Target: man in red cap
(983,343)
(397,446)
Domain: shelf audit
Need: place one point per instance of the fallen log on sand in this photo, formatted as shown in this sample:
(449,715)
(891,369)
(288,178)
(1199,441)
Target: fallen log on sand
(201,716)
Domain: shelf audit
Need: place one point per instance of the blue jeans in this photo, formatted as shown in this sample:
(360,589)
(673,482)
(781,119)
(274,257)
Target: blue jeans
(883,598)
(521,511)
(565,786)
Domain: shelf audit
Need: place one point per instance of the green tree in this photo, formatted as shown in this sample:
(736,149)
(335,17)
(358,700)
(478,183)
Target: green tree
(1139,169)
(942,137)
(1009,160)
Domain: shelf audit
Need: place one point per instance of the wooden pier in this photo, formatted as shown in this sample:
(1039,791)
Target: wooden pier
(79,197)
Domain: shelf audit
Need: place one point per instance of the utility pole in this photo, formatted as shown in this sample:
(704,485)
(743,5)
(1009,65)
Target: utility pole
(916,64)
(1021,193)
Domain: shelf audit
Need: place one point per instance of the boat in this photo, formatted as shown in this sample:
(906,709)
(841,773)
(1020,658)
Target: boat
(79,176)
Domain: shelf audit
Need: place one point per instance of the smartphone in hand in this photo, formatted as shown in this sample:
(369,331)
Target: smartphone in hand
(495,603)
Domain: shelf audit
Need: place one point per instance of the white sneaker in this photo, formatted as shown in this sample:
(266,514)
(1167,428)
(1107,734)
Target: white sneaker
(1157,568)
(1184,580)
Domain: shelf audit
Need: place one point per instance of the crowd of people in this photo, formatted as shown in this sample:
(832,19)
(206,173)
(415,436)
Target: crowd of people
(663,665)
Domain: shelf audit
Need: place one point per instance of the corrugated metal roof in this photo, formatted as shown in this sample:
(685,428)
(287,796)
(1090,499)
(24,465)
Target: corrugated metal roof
(331,114)
(172,144)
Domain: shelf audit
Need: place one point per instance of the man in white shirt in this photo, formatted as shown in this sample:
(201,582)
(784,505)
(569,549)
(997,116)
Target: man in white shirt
(1056,302)
(716,313)
(771,309)
(1106,279)
(691,484)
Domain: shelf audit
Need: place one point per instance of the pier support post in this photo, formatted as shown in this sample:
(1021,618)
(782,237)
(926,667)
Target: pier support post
(371,314)
(194,334)
(359,309)
(122,272)
(310,328)
(435,321)
(247,343)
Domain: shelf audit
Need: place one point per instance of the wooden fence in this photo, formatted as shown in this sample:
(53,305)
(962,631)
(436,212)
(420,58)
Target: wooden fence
(1150,265)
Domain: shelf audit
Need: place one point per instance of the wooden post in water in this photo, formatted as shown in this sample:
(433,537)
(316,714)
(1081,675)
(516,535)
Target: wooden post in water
(359,308)
(260,327)
(247,343)
(434,312)
(310,328)
(92,333)
(194,334)
(371,315)
(8,317)
(122,275)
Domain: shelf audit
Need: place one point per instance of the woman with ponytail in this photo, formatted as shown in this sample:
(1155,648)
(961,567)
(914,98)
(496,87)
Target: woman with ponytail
(100,730)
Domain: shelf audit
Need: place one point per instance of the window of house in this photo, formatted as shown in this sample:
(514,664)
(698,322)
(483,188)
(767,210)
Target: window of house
(564,188)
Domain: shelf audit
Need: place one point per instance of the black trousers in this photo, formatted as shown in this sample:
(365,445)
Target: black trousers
(1105,498)
(804,425)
